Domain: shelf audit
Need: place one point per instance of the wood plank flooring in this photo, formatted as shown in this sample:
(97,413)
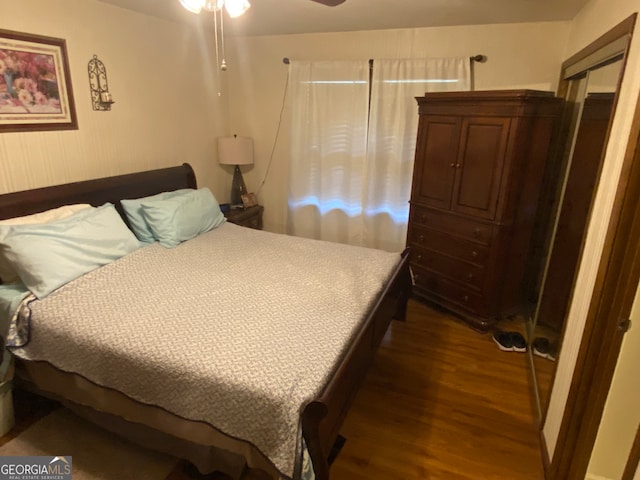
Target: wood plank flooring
(440,402)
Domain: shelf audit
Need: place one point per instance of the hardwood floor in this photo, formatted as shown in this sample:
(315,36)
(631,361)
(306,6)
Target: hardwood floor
(440,402)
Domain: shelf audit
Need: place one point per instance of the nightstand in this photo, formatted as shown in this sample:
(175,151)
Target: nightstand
(250,217)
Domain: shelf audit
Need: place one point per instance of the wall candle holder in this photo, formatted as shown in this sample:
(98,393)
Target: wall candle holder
(100,96)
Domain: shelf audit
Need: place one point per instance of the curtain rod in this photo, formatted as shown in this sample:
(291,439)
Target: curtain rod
(476,58)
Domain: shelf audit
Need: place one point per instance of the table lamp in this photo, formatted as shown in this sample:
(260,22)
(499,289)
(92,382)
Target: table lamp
(236,151)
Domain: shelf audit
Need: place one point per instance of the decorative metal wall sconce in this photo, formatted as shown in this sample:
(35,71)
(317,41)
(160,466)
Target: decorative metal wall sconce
(100,96)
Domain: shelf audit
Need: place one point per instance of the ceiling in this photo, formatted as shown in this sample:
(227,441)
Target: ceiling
(274,17)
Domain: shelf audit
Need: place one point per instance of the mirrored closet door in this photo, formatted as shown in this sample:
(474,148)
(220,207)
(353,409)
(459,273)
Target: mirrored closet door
(589,85)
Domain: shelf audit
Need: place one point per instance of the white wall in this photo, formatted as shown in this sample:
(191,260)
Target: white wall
(166,87)
(597,17)
(519,56)
(167,108)
(621,414)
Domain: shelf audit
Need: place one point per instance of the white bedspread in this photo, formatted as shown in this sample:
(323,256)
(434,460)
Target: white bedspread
(236,328)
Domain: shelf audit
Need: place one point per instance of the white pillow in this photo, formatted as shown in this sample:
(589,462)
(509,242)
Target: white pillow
(7,273)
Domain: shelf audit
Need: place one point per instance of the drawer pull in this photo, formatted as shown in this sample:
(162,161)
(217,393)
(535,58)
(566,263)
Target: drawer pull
(466,298)
(423,218)
(470,276)
(452,165)
(458,165)
(421,239)
(476,232)
(419,258)
(474,254)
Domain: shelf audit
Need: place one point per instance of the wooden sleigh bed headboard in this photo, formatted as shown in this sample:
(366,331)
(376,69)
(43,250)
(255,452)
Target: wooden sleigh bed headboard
(322,417)
(97,192)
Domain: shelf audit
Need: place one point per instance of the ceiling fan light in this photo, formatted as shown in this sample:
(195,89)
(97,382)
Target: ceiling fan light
(213,5)
(235,8)
(194,6)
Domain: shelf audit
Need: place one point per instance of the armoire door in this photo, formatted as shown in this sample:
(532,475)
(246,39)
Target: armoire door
(479,166)
(435,160)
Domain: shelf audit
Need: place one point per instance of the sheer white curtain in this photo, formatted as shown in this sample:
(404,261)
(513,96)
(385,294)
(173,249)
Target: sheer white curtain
(393,126)
(329,102)
(353,145)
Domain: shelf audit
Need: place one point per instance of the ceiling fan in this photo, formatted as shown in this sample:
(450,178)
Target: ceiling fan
(234,8)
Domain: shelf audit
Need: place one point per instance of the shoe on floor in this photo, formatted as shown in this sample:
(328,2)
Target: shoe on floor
(540,347)
(510,341)
(544,349)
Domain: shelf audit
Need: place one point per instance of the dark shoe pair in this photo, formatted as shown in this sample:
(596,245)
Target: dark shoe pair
(544,349)
(510,341)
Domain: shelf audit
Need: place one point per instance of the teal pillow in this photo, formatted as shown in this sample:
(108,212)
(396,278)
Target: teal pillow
(49,255)
(179,218)
(133,210)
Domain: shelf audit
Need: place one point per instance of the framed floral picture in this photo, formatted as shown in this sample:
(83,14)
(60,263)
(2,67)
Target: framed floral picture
(35,84)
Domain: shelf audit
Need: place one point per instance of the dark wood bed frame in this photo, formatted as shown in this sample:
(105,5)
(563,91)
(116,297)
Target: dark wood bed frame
(322,417)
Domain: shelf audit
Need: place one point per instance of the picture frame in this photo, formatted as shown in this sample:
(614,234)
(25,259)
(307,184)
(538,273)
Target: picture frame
(249,200)
(35,84)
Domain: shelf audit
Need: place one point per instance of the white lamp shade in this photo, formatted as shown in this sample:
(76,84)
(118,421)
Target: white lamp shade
(235,150)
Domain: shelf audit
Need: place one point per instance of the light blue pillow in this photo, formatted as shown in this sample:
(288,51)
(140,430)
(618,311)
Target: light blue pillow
(174,220)
(10,297)
(133,210)
(49,255)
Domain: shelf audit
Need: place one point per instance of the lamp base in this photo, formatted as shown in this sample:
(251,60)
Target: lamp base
(238,187)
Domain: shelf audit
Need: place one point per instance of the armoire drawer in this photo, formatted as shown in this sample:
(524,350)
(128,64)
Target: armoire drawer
(435,285)
(466,273)
(453,224)
(448,245)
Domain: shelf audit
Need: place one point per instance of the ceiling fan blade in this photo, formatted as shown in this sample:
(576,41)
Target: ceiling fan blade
(330,3)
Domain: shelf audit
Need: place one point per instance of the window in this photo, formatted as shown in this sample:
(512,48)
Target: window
(353,142)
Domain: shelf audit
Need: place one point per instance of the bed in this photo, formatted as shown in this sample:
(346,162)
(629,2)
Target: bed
(159,419)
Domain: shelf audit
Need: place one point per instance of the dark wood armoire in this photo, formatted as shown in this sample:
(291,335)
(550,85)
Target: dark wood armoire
(480,159)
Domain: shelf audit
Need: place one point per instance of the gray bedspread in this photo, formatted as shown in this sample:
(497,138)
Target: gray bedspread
(237,328)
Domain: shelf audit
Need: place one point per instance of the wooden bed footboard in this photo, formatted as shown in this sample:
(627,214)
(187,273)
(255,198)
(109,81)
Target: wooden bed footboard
(323,417)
